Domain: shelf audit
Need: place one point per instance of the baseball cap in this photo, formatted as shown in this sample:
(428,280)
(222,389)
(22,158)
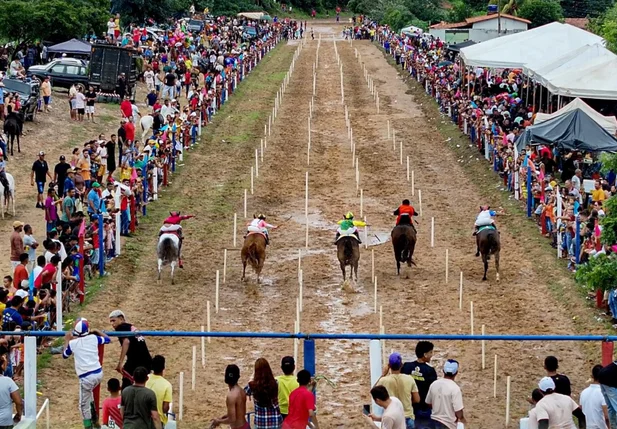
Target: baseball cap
(287,363)
(96,185)
(450,367)
(41,153)
(395,360)
(546,384)
(62,158)
(21,293)
(17,224)
(116,313)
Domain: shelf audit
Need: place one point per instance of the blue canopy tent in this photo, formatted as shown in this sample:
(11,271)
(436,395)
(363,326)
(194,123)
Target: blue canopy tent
(71,47)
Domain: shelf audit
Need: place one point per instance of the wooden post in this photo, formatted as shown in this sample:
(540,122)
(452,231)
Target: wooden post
(471,317)
(495,378)
(372,264)
(256,163)
(375,286)
(245,192)
(193,365)
(508,379)
(432,232)
(203,348)
(208,319)
(252,179)
(216,293)
(420,201)
(460,293)
(413,184)
(447,265)
(408,168)
(224,265)
(235,228)
(483,349)
(361,203)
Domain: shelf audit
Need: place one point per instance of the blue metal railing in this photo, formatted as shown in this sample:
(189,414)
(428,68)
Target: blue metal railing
(341,336)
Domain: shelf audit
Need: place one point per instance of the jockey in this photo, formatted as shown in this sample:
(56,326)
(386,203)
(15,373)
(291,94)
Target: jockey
(171,225)
(349,226)
(259,226)
(404,213)
(484,218)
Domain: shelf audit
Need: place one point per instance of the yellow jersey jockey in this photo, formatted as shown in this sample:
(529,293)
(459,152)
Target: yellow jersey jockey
(348,226)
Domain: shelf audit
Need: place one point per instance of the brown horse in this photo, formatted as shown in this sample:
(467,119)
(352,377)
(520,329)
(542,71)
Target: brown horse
(404,243)
(348,253)
(253,252)
(489,244)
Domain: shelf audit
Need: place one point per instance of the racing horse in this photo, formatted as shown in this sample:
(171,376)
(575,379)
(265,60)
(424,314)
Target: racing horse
(7,196)
(348,253)
(489,244)
(168,250)
(404,242)
(13,125)
(254,253)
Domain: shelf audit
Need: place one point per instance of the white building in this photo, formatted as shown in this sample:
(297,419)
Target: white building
(479,28)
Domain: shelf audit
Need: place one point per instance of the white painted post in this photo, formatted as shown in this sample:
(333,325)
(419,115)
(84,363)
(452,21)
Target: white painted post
(408,168)
(447,265)
(483,349)
(203,347)
(59,322)
(495,378)
(471,317)
(306,194)
(413,184)
(155,184)
(208,325)
(262,150)
(508,379)
(236,228)
(30,376)
(252,179)
(432,232)
(420,201)
(372,264)
(224,265)
(307,233)
(361,202)
(400,145)
(301,291)
(375,294)
(216,293)
(181,394)
(460,293)
(194,364)
(376,370)
(256,163)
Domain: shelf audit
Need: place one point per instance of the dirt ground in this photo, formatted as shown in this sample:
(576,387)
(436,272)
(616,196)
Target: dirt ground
(211,187)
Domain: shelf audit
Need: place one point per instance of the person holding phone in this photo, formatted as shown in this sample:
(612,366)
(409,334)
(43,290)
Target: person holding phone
(393,416)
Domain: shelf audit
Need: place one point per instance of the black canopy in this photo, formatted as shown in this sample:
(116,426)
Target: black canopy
(574,130)
(459,46)
(73,46)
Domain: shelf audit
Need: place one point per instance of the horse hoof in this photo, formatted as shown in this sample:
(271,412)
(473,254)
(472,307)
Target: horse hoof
(497,277)
(483,279)
(158,282)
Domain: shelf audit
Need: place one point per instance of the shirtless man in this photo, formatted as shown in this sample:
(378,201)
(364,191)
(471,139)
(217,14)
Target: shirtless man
(236,402)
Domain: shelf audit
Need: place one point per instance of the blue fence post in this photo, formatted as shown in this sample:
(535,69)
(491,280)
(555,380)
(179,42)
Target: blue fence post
(173,153)
(529,193)
(102,255)
(577,240)
(144,175)
(309,356)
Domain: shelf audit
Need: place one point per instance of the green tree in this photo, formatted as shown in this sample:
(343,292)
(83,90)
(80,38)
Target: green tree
(599,273)
(606,26)
(585,8)
(541,12)
(397,16)
(460,10)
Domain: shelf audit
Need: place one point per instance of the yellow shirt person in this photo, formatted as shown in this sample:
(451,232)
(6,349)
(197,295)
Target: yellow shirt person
(161,388)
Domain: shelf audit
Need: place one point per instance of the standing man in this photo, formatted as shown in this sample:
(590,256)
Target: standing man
(134,349)
(446,399)
(46,93)
(556,410)
(301,405)
(393,416)
(161,387)
(39,174)
(90,99)
(111,155)
(60,174)
(424,375)
(593,403)
(236,402)
(400,386)
(608,385)
(83,344)
(139,404)
(287,383)
(30,245)
(169,86)
(17,244)
(126,108)
(80,104)
(562,383)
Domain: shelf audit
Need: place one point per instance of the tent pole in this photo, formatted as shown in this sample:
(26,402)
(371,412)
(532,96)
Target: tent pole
(548,101)
(527,92)
(559,102)
(535,108)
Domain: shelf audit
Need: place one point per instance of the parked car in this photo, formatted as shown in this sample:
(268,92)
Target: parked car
(195,25)
(63,72)
(28,91)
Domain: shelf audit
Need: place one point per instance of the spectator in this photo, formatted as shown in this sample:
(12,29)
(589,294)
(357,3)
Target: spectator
(134,349)
(424,375)
(301,404)
(51,213)
(94,200)
(9,395)
(161,388)
(555,410)
(48,274)
(68,206)
(593,403)
(46,93)
(264,391)
(39,174)
(393,416)
(236,402)
(287,383)
(21,272)
(139,410)
(536,395)
(60,174)
(11,315)
(90,98)
(112,414)
(400,386)
(608,385)
(17,244)
(562,383)
(446,399)
(7,282)
(83,343)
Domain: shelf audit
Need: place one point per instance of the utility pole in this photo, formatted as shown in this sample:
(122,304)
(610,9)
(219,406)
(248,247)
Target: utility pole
(498,18)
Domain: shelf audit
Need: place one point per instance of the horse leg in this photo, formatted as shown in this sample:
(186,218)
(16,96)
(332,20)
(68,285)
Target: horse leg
(497,265)
(173,267)
(18,144)
(243,270)
(355,268)
(12,202)
(12,142)
(343,270)
(160,265)
(485,260)
(477,246)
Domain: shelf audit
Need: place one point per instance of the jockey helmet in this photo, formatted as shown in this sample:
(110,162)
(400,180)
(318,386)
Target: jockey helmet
(406,202)
(261,216)
(174,213)
(349,215)
(485,207)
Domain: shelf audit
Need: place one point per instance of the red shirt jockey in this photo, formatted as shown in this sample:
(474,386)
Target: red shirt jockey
(172,225)
(175,218)
(407,210)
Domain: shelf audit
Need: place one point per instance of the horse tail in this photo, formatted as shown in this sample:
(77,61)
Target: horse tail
(492,244)
(403,247)
(168,251)
(252,254)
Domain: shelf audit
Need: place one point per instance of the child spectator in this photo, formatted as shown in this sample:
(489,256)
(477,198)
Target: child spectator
(112,414)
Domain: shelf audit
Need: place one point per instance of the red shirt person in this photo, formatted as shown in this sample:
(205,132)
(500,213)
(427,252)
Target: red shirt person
(48,274)
(301,404)
(406,210)
(126,108)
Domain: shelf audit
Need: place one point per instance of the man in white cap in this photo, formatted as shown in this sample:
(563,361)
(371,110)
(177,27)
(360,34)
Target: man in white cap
(446,399)
(83,343)
(556,410)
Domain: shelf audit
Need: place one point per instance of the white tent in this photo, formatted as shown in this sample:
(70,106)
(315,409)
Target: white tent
(609,123)
(597,80)
(547,42)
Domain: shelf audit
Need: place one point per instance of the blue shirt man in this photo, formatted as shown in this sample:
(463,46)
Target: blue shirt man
(94,199)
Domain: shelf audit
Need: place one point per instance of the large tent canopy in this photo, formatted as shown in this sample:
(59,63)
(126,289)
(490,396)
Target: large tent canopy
(609,123)
(596,80)
(73,47)
(575,130)
(547,42)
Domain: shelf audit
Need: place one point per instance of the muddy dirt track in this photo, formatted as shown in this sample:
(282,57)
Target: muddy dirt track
(211,187)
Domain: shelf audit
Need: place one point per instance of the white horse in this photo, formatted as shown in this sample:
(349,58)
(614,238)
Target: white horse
(145,123)
(10,198)
(167,250)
